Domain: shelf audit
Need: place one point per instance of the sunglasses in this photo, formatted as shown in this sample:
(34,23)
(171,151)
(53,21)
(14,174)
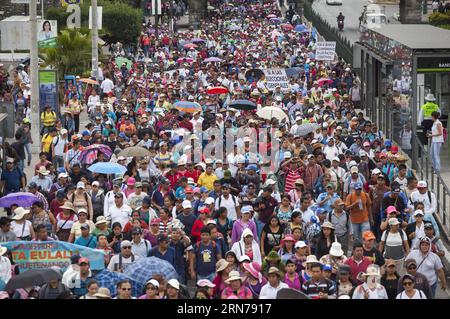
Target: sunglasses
(127,247)
(408,283)
(412,267)
(391,266)
(152,288)
(126,289)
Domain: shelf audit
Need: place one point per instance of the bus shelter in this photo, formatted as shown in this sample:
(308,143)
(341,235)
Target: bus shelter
(399,65)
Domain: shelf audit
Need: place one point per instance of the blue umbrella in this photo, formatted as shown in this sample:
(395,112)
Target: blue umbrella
(300,28)
(107,168)
(109,279)
(23,199)
(143,269)
(294,71)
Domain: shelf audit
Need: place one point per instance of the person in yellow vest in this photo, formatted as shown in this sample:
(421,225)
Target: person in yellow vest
(424,119)
(47,140)
(48,119)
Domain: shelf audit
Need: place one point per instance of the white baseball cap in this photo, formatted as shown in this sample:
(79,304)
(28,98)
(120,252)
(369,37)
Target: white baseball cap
(209,201)
(300,244)
(186,204)
(81,185)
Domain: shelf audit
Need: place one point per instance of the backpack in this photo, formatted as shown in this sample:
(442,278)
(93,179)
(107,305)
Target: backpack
(402,235)
(347,216)
(234,200)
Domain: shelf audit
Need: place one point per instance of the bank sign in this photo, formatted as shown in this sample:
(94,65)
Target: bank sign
(433,64)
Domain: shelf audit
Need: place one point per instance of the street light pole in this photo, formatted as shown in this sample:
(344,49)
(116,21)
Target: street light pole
(94,40)
(34,70)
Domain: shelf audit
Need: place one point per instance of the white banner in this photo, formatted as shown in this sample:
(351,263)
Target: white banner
(325,51)
(276,77)
(99,18)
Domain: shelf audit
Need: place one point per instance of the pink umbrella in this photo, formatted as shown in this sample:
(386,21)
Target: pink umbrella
(190,45)
(183,60)
(287,26)
(270,16)
(324,81)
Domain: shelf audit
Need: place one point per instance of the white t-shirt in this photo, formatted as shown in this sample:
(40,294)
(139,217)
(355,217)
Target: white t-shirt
(229,204)
(121,215)
(60,145)
(114,262)
(107,86)
(394,243)
(17,228)
(418,295)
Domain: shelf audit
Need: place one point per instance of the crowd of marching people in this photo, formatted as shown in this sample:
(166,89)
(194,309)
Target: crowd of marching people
(330,210)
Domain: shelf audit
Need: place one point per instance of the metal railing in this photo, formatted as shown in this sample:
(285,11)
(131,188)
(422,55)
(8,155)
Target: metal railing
(437,184)
(343,47)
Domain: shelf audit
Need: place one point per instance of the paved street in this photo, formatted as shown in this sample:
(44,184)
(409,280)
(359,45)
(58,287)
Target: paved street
(352,10)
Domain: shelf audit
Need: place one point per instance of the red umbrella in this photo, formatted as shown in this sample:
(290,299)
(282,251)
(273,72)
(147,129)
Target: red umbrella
(217,90)
(324,81)
(190,45)
(287,26)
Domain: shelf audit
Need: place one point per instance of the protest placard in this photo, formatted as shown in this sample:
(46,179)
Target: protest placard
(276,77)
(325,50)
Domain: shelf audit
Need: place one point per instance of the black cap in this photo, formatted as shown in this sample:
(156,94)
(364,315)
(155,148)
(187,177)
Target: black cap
(163,237)
(395,187)
(428,225)
(74,259)
(118,194)
(136,230)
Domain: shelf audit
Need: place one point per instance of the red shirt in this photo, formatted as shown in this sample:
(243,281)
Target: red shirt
(173,178)
(55,207)
(356,268)
(196,229)
(194,175)
(186,125)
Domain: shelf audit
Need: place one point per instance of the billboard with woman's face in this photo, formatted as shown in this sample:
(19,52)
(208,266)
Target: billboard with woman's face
(47,33)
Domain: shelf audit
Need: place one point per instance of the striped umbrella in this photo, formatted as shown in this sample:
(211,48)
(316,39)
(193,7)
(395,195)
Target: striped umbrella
(188,107)
(89,154)
(109,279)
(143,269)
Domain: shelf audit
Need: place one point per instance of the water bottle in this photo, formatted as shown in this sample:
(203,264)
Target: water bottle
(360,204)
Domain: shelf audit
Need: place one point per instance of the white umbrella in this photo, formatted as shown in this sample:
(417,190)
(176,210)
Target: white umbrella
(270,112)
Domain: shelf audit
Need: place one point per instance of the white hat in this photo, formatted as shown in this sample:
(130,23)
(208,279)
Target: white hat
(287,155)
(418,212)
(422,184)
(81,185)
(186,204)
(246,209)
(430,97)
(190,181)
(96,183)
(372,271)
(336,250)
(352,163)
(125,243)
(336,159)
(205,283)
(20,213)
(270,182)
(354,169)
(393,221)
(311,259)
(244,258)
(376,171)
(174,283)
(247,139)
(209,201)
(63,175)
(154,282)
(42,170)
(63,131)
(101,220)
(300,244)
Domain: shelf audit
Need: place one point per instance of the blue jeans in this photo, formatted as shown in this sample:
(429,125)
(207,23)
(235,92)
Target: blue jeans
(28,150)
(435,151)
(358,229)
(21,165)
(433,289)
(259,227)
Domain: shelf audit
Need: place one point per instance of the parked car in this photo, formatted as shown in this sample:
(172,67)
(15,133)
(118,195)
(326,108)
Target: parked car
(334,2)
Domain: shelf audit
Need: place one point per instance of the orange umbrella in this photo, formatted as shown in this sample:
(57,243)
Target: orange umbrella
(89,81)
(217,90)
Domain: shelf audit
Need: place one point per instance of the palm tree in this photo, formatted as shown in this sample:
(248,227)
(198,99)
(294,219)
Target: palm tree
(72,54)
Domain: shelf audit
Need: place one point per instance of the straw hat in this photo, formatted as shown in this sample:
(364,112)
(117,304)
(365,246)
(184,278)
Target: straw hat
(20,213)
(42,170)
(221,265)
(103,293)
(68,205)
(2,250)
(274,270)
(234,275)
(311,259)
(371,271)
(101,220)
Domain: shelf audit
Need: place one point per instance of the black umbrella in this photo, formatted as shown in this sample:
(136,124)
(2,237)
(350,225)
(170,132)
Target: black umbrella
(242,105)
(254,73)
(32,277)
(288,293)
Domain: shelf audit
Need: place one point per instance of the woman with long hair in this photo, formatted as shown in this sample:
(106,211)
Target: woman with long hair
(271,236)
(81,199)
(326,238)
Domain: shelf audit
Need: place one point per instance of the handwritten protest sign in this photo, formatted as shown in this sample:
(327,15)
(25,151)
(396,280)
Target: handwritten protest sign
(276,77)
(325,51)
(39,255)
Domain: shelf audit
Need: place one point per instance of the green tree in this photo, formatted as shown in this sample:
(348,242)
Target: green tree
(72,54)
(123,23)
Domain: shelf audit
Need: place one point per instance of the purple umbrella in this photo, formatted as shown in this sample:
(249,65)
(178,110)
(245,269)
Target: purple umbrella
(197,40)
(23,199)
(212,59)
(89,154)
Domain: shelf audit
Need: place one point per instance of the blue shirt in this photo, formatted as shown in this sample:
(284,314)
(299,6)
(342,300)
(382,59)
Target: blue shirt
(83,241)
(180,193)
(206,258)
(168,256)
(12,180)
(328,203)
(81,289)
